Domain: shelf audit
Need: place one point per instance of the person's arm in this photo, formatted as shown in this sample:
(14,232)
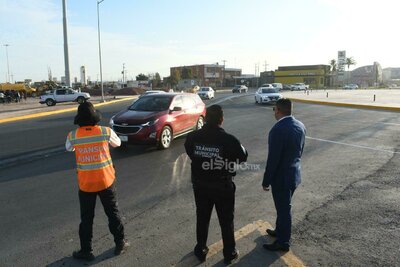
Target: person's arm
(114,139)
(239,152)
(189,146)
(68,145)
(275,147)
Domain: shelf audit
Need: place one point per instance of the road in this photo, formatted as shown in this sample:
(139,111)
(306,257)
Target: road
(345,211)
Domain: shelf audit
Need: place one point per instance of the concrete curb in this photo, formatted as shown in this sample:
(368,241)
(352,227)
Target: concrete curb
(348,105)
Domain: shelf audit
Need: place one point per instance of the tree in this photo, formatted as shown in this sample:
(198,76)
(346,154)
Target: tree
(350,61)
(333,65)
(142,77)
(156,80)
(175,77)
(187,73)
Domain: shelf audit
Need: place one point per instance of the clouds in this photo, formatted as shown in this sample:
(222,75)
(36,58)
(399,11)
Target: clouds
(150,39)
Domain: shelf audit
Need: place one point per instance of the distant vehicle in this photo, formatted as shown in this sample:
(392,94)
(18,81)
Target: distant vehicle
(63,95)
(150,92)
(267,85)
(206,92)
(159,118)
(240,89)
(350,86)
(278,86)
(287,87)
(299,87)
(267,95)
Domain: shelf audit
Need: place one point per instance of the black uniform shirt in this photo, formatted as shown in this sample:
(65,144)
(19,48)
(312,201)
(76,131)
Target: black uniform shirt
(214,153)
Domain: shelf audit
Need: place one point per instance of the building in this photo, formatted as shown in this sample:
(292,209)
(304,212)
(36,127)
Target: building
(214,75)
(83,75)
(267,77)
(317,76)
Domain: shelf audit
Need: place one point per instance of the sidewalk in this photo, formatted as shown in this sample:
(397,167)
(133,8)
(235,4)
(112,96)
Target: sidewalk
(385,99)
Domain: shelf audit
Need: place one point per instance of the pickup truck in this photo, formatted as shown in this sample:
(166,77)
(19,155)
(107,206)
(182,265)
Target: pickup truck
(299,87)
(63,95)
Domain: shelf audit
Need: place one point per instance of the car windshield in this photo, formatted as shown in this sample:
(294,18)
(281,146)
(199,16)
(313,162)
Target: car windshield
(204,89)
(268,91)
(151,103)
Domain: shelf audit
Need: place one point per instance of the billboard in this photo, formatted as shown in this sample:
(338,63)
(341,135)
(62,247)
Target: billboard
(341,63)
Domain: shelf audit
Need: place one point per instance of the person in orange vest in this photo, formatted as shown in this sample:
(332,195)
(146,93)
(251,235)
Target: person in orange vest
(96,176)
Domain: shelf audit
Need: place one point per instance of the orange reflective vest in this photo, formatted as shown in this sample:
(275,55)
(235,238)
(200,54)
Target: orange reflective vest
(95,168)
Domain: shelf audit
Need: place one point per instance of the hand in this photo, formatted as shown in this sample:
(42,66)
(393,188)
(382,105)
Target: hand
(266,188)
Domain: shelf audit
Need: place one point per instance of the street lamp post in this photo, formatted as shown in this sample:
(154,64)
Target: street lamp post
(101,69)
(8,65)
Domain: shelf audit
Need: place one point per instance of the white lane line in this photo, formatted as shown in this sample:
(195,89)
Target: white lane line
(388,123)
(352,145)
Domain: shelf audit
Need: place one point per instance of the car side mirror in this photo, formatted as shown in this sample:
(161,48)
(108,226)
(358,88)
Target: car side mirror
(176,109)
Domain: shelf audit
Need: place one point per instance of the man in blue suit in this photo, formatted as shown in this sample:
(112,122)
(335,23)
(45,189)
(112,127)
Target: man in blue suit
(282,173)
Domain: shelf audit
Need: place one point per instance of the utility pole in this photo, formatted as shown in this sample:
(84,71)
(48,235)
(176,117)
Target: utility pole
(101,68)
(66,57)
(8,65)
(123,73)
(265,65)
(223,74)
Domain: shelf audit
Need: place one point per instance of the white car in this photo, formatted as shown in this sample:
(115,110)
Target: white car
(267,85)
(299,87)
(206,92)
(350,86)
(267,95)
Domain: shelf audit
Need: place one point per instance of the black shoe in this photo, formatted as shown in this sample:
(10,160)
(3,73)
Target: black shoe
(83,255)
(271,232)
(121,247)
(232,257)
(201,253)
(276,247)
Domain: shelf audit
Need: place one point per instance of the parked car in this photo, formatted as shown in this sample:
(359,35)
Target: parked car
(278,86)
(151,92)
(206,92)
(63,95)
(240,89)
(267,85)
(159,118)
(299,87)
(267,95)
(286,87)
(350,86)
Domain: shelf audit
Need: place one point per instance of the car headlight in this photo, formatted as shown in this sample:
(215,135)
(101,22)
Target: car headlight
(149,123)
(111,121)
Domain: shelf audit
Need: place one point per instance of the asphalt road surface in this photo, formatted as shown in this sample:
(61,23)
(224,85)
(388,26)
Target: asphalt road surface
(346,211)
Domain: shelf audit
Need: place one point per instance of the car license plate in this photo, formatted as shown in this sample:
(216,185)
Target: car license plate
(123,138)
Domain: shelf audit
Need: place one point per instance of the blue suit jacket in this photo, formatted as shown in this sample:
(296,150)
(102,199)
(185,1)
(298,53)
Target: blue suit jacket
(285,147)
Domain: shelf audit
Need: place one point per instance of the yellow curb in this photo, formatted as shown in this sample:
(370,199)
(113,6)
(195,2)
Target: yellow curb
(48,113)
(344,104)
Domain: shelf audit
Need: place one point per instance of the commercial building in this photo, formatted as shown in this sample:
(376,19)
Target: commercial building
(207,74)
(317,76)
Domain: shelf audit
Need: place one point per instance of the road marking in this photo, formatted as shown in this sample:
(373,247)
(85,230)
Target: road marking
(48,113)
(352,145)
(288,257)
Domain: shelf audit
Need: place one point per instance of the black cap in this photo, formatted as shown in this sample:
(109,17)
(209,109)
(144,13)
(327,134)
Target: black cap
(87,115)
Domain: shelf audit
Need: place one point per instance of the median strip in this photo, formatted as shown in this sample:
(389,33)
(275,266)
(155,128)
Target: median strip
(48,113)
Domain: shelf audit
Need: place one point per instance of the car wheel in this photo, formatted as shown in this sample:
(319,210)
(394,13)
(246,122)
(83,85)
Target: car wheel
(81,100)
(50,102)
(256,100)
(165,138)
(200,123)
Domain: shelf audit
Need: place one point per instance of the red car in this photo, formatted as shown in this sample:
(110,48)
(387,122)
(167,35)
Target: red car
(159,118)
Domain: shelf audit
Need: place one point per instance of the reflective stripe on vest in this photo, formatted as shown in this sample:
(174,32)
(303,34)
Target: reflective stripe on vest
(93,159)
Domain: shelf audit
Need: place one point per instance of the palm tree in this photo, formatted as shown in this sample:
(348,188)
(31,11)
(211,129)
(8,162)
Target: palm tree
(333,65)
(350,61)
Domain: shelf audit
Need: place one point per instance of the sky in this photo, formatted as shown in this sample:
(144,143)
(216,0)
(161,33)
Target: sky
(151,36)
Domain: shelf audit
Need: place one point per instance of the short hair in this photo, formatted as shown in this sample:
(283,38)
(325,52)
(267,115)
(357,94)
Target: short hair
(284,105)
(214,115)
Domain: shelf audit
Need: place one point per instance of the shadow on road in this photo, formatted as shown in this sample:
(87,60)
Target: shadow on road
(69,261)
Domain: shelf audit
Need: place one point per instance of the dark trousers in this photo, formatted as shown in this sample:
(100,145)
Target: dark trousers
(222,195)
(282,199)
(87,201)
